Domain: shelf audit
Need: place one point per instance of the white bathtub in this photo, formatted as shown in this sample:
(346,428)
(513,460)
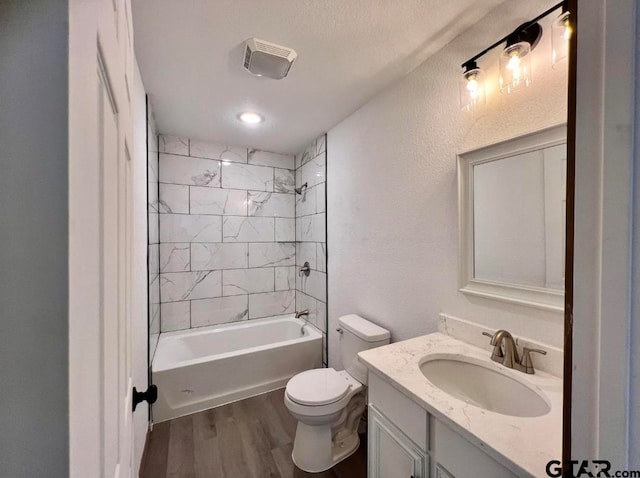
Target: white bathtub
(206,367)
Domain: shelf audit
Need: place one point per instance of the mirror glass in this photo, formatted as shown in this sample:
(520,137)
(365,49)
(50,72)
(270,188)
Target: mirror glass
(512,219)
(519,218)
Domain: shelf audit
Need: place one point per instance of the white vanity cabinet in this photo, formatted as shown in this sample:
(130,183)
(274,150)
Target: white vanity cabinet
(391,452)
(405,441)
(441,472)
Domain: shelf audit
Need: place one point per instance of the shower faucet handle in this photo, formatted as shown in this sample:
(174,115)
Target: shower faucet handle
(305,269)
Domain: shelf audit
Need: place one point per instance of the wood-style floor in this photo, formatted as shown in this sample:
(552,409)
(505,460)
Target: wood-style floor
(251,438)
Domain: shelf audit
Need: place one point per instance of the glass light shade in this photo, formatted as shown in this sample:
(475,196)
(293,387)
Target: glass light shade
(471,87)
(515,67)
(560,35)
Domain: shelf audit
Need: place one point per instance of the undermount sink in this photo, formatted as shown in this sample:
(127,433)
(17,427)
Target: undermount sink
(477,384)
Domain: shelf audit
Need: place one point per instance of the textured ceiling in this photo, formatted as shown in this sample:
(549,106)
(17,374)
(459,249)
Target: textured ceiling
(190,55)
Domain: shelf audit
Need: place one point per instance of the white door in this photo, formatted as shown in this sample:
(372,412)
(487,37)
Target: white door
(100,244)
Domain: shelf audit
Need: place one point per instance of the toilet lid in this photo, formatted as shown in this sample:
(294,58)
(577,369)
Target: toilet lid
(317,387)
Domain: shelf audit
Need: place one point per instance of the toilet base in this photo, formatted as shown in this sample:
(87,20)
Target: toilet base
(314,451)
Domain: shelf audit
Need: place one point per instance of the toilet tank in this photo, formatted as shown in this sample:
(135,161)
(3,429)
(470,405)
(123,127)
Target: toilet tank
(358,334)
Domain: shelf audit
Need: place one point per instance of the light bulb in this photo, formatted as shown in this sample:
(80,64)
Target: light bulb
(514,61)
(250,117)
(471,88)
(561,34)
(568,31)
(515,67)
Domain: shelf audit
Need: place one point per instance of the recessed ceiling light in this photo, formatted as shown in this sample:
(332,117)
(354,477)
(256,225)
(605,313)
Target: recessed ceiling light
(250,117)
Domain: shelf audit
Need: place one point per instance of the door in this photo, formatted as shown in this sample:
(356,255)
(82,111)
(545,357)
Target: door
(115,317)
(391,453)
(100,239)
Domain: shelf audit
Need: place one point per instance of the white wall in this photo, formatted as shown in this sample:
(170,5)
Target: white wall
(604,412)
(139,252)
(588,215)
(392,194)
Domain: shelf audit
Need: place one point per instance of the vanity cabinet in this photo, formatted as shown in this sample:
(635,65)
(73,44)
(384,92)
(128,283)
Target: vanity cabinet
(406,441)
(441,472)
(391,452)
(456,457)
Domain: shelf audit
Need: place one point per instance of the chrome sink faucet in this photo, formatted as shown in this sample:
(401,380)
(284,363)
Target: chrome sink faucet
(505,352)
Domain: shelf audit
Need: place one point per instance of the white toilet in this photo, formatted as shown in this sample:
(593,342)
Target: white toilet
(328,404)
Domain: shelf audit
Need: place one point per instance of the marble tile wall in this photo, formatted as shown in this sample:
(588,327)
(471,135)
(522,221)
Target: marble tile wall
(227,233)
(311,234)
(153,234)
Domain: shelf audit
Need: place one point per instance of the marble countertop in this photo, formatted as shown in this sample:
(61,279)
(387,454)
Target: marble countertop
(523,444)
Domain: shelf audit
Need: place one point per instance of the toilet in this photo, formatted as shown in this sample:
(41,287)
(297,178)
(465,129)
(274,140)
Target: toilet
(328,404)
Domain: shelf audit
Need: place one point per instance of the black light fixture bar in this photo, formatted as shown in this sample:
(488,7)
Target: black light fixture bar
(521,28)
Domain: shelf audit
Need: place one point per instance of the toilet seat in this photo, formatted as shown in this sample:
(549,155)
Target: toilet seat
(318,387)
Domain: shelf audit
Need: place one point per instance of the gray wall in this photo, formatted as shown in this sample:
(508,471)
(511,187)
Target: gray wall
(634,383)
(33,239)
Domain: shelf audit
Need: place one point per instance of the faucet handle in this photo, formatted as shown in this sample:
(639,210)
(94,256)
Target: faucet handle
(497,355)
(305,270)
(526,362)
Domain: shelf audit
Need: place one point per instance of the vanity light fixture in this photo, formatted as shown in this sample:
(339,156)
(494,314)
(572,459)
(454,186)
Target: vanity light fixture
(560,35)
(515,59)
(471,87)
(249,117)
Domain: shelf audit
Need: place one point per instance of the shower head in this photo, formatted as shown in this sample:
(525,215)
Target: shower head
(301,188)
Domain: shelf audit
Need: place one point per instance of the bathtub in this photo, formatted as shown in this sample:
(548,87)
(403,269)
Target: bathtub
(206,367)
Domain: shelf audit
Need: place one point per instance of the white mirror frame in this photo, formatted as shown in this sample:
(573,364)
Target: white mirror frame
(538,297)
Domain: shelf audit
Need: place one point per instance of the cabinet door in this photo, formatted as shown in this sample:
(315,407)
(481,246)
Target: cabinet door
(441,472)
(391,453)
(459,458)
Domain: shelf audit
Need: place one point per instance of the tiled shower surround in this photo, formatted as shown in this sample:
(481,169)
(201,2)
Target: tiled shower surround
(227,233)
(154,235)
(311,235)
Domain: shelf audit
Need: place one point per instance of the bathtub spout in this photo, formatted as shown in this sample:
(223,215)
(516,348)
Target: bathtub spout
(302,313)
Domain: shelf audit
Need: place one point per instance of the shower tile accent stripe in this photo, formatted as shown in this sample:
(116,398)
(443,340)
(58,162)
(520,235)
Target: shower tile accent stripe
(227,233)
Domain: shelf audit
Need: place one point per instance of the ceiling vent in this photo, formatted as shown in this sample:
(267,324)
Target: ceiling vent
(263,58)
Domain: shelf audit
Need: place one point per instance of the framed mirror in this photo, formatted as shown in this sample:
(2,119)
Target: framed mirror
(512,201)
